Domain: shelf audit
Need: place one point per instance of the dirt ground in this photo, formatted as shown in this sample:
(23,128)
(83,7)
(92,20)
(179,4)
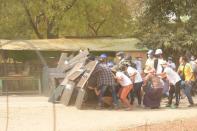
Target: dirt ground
(34,113)
(177,125)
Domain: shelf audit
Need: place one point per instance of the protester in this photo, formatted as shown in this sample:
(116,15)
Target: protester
(161,78)
(136,78)
(158,60)
(171,64)
(126,87)
(128,59)
(186,72)
(159,69)
(153,87)
(104,80)
(103,58)
(138,63)
(175,82)
(193,64)
(107,96)
(120,57)
(150,60)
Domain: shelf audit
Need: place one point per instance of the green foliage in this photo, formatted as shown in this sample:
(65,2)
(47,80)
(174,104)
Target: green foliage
(29,19)
(163,26)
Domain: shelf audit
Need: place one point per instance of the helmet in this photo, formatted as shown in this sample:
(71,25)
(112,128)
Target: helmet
(192,58)
(169,58)
(103,56)
(150,52)
(158,52)
(126,63)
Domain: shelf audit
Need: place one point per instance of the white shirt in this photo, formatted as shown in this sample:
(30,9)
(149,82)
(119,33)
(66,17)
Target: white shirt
(123,79)
(194,66)
(138,65)
(172,76)
(131,71)
(172,65)
(159,67)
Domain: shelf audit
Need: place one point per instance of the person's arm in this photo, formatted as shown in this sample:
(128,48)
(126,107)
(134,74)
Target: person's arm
(118,77)
(179,70)
(97,92)
(132,77)
(146,78)
(163,74)
(173,66)
(191,70)
(91,88)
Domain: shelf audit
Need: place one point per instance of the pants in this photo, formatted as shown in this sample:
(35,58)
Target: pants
(137,92)
(174,89)
(124,91)
(103,90)
(187,90)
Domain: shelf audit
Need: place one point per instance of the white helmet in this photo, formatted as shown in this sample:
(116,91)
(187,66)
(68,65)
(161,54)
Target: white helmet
(150,52)
(158,52)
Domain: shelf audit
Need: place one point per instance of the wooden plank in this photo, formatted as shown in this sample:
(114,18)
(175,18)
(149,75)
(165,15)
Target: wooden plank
(61,62)
(59,73)
(45,81)
(76,74)
(89,68)
(80,98)
(20,78)
(82,91)
(67,93)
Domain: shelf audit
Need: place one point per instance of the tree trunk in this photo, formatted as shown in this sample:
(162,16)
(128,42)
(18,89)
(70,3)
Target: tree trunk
(27,11)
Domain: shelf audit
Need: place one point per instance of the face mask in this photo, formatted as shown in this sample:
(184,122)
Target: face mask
(119,57)
(150,56)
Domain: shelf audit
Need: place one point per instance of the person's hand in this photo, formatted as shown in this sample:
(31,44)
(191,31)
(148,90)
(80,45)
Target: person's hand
(91,88)
(188,82)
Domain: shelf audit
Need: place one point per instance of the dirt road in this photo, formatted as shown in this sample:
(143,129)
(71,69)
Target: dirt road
(36,114)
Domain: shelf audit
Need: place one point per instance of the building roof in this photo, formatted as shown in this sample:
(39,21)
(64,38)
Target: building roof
(94,44)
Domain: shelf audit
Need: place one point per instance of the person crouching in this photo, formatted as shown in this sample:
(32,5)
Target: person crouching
(126,87)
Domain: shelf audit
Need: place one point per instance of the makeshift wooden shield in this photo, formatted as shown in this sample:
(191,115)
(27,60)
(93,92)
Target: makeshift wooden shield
(76,74)
(69,85)
(50,74)
(89,68)
(67,93)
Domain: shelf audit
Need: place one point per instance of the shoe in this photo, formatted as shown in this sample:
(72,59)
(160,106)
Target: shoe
(191,105)
(114,107)
(128,109)
(99,107)
(174,106)
(168,105)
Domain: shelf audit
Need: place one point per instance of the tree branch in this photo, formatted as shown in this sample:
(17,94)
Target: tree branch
(31,20)
(67,7)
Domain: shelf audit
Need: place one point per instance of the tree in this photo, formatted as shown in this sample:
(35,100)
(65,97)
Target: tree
(30,19)
(47,14)
(170,24)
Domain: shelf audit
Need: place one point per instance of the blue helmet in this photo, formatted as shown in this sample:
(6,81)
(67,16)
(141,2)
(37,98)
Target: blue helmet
(103,56)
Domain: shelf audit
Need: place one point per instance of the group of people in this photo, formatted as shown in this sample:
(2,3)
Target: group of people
(120,83)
